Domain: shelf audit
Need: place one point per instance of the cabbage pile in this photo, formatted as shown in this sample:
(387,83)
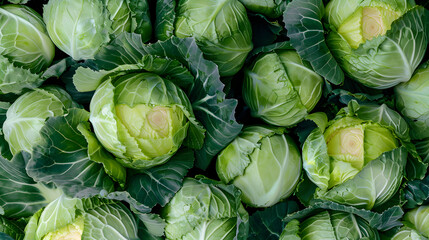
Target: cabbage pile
(214,119)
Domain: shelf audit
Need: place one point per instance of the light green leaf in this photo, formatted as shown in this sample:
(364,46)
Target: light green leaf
(374,184)
(56,215)
(16,79)
(316,160)
(110,221)
(24,40)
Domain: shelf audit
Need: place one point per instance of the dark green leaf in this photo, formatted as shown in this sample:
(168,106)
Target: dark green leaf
(303,20)
(11,229)
(268,224)
(156,185)
(20,195)
(63,158)
(140,10)
(417,193)
(166,16)
(305,190)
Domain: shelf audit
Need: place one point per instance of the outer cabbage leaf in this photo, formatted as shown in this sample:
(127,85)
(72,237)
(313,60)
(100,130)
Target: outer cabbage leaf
(303,20)
(330,225)
(407,233)
(11,230)
(109,221)
(151,225)
(20,195)
(267,223)
(374,184)
(417,193)
(87,218)
(383,221)
(156,185)
(63,157)
(316,159)
(271,8)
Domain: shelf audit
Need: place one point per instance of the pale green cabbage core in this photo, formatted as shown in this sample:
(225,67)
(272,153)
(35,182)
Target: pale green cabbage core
(367,23)
(153,127)
(69,232)
(351,147)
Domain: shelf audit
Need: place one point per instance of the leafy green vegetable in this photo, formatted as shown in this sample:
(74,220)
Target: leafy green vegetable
(329,225)
(272,9)
(20,195)
(268,224)
(181,63)
(27,115)
(25,49)
(378,43)
(303,20)
(73,218)
(412,101)
(280,88)
(221,29)
(205,209)
(96,21)
(263,163)
(358,160)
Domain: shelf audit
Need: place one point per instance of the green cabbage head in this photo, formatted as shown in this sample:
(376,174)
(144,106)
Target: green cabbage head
(329,225)
(28,114)
(412,100)
(81,27)
(221,28)
(263,163)
(204,209)
(24,40)
(358,159)
(280,88)
(76,219)
(378,43)
(141,118)
(26,50)
(415,226)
